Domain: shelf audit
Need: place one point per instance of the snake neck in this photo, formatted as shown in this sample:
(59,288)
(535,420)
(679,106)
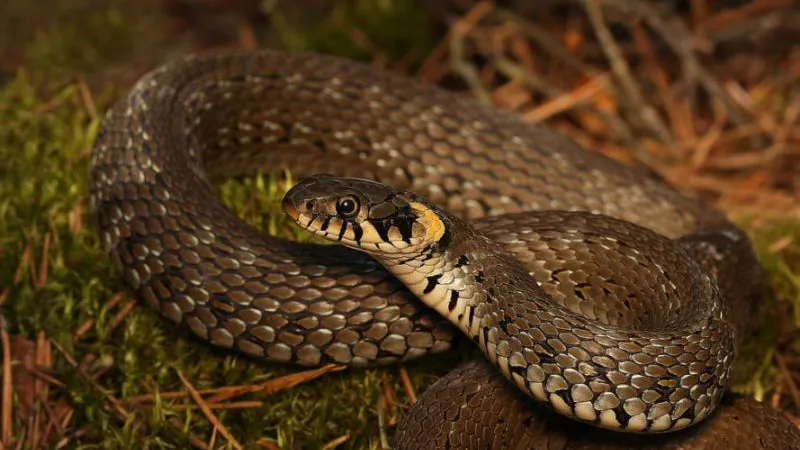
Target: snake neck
(456,279)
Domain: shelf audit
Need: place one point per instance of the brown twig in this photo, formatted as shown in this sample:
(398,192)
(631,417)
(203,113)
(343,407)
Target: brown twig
(550,45)
(88,100)
(568,101)
(86,326)
(408,386)
(427,71)
(118,408)
(212,418)
(787,377)
(336,442)
(458,62)
(8,394)
(638,106)
(513,70)
(680,41)
(733,16)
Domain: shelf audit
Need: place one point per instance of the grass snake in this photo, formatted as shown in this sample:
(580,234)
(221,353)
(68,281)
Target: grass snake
(596,291)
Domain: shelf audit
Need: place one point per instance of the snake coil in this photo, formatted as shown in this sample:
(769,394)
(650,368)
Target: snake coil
(236,113)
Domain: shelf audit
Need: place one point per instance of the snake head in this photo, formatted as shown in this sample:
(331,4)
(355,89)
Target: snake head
(364,214)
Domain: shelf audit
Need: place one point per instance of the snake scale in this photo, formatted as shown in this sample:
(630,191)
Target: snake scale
(594,288)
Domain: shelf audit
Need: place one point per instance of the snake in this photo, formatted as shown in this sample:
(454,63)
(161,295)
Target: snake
(610,306)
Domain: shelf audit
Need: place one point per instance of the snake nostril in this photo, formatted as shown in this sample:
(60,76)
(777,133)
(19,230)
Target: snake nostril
(310,205)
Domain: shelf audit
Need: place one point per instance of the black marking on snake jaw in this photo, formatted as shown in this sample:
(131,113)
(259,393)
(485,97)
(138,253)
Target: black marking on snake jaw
(432,281)
(358,232)
(453,300)
(325,224)
(382,229)
(342,230)
(404,225)
(313,218)
(462,261)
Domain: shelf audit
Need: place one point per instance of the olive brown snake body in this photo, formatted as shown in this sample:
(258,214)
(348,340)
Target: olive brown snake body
(643,345)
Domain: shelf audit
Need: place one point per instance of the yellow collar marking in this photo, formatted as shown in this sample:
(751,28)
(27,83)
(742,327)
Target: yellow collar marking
(434,227)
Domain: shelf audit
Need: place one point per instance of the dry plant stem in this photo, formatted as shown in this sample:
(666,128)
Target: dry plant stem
(428,71)
(637,105)
(680,40)
(212,418)
(458,61)
(408,386)
(194,440)
(745,22)
(336,442)
(787,376)
(384,435)
(7,398)
(513,70)
(542,37)
(120,410)
(618,126)
(569,100)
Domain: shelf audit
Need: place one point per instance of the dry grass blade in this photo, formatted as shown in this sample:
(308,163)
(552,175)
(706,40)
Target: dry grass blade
(431,69)
(568,100)
(8,395)
(218,395)
(117,407)
(408,386)
(263,443)
(86,326)
(622,72)
(272,386)
(336,442)
(194,440)
(680,41)
(740,14)
(788,379)
(88,100)
(208,413)
(217,406)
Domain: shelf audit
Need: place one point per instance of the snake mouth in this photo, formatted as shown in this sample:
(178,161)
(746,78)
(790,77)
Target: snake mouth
(290,209)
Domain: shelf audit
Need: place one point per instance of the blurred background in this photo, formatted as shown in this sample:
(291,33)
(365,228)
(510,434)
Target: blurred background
(706,92)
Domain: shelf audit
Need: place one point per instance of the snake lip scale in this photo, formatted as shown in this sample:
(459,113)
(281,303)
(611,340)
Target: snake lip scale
(592,287)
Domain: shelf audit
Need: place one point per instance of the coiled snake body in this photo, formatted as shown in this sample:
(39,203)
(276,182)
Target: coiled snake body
(629,322)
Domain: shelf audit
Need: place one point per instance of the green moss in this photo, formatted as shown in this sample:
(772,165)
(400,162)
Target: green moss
(80,42)
(777,242)
(397,30)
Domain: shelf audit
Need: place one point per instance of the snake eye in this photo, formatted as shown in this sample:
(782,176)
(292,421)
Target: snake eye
(310,205)
(347,206)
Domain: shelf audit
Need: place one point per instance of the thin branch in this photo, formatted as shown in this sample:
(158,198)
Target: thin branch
(637,103)
(680,40)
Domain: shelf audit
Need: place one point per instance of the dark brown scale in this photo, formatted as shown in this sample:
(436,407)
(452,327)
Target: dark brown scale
(237,113)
